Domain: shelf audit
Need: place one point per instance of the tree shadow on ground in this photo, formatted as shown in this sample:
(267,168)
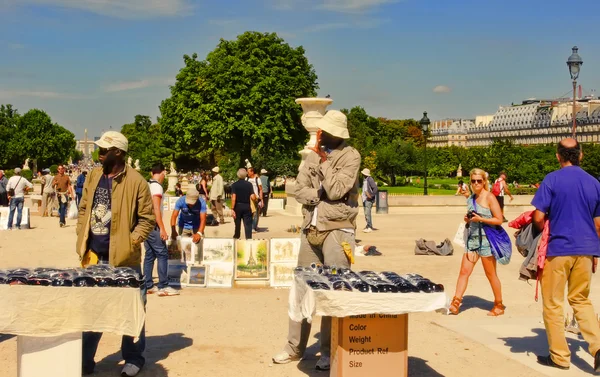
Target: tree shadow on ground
(538,345)
(5,337)
(157,348)
(471,302)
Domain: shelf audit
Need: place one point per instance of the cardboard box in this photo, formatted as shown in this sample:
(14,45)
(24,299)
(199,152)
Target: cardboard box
(369,345)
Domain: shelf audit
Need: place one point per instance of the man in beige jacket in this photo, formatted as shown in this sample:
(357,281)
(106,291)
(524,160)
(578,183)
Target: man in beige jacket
(217,195)
(115,217)
(327,188)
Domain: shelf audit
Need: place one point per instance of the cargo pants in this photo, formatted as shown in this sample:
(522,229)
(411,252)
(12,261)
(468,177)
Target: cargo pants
(330,254)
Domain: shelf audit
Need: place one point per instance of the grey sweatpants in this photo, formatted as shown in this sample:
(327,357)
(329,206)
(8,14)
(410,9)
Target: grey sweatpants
(330,254)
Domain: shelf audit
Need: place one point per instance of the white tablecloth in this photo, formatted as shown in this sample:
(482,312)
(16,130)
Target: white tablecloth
(305,302)
(53,311)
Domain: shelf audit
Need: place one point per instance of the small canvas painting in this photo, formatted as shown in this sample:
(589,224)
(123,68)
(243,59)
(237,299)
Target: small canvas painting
(285,249)
(220,275)
(216,250)
(252,257)
(282,274)
(177,274)
(197,276)
(188,249)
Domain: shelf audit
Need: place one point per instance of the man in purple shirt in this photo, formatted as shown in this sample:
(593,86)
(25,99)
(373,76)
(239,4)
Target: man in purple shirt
(570,199)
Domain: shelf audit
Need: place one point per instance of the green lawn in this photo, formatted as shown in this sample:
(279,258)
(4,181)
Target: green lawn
(410,190)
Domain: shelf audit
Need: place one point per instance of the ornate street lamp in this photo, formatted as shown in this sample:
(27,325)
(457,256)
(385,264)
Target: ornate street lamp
(425,127)
(574,63)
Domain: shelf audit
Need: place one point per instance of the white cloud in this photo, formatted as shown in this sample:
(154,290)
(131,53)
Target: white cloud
(343,6)
(126,85)
(353,6)
(8,94)
(122,86)
(360,24)
(119,8)
(442,89)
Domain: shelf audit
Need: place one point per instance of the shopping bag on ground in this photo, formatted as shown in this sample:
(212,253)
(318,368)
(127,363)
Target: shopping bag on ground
(73,212)
(460,236)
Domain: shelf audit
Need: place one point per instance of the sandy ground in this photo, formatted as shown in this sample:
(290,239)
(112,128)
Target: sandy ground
(234,332)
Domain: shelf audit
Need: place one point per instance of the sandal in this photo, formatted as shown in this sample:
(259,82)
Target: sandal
(497,310)
(455,305)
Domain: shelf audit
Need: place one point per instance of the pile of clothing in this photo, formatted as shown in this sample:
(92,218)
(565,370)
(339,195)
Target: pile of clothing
(532,245)
(424,247)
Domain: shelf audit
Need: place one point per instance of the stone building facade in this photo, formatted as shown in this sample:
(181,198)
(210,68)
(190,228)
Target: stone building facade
(532,122)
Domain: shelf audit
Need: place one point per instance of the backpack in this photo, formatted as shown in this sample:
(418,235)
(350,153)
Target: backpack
(497,188)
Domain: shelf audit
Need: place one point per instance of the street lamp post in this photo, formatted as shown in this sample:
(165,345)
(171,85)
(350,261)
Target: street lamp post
(574,63)
(425,127)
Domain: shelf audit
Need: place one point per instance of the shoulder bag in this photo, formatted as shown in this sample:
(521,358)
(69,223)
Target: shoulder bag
(499,240)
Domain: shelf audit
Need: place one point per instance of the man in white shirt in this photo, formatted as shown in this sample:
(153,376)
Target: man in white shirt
(258,191)
(217,195)
(155,245)
(16,188)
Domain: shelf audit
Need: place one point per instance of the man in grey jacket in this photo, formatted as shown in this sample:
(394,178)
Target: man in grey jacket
(327,188)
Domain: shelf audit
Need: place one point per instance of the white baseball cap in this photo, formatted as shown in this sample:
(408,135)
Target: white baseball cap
(113,139)
(216,169)
(263,171)
(366,172)
(191,195)
(334,123)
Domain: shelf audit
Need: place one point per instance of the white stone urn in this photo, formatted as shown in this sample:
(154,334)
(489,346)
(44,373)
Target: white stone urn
(313,109)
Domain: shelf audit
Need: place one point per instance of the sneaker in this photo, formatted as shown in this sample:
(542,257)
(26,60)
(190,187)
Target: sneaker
(167,291)
(62,225)
(8,228)
(367,230)
(18,228)
(130,370)
(323,363)
(152,290)
(284,358)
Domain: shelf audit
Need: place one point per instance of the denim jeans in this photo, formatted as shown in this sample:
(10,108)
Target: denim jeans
(62,208)
(15,203)
(156,249)
(368,207)
(131,351)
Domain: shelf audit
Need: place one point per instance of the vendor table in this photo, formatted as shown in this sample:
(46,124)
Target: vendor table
(369,334)
(49,321)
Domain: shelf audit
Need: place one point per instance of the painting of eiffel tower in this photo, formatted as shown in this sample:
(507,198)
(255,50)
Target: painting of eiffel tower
(252,257)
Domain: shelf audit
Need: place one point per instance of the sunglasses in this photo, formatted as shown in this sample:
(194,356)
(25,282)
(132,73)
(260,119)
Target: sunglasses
(104,151)
(477,181)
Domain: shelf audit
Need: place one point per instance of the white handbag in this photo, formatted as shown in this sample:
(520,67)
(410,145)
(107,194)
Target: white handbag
(461,235)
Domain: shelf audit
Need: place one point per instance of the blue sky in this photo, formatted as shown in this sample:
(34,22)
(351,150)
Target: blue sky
(97,63)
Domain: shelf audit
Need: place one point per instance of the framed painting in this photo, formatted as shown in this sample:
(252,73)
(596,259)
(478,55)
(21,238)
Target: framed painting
(197,276)
(282,274)
(177,274)
(252,260)
(216,250)
(285,250)
(220,275)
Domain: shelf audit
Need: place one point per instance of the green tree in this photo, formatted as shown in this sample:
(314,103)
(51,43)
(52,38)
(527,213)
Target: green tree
(145,142)
(240,99)
(36,137)
(9,120)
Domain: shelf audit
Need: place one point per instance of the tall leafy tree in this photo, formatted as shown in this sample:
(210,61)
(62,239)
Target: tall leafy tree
(240,99)
(37,137)
(145,142)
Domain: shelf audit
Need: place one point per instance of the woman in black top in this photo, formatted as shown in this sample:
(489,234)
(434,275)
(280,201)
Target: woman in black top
(242,193)
(201,186)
